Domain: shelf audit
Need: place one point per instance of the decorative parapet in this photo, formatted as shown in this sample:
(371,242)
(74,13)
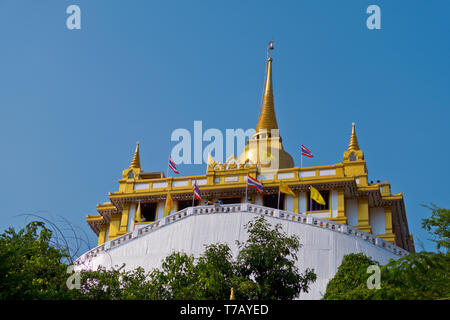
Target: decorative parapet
(235,208)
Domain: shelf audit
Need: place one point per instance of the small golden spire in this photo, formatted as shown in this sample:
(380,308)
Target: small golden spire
(353,145)
(232,294)
(136,162)
(267,119)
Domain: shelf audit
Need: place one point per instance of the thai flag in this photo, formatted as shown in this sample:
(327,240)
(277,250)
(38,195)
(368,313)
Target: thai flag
(197,192)
(306,152)
(172,165)
(252,182)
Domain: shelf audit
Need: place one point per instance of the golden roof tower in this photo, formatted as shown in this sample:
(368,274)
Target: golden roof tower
(265,148)
(136,161)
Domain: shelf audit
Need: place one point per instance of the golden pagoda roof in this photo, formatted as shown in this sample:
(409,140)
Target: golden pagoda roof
(136,162)
(267,119)
(265,141)
(353,145)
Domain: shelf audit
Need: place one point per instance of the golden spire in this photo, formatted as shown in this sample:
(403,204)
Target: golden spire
(353,145)
(267,119)
(136,162)
(232,294)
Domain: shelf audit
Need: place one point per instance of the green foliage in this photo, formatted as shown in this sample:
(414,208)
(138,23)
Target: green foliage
(177,278)
(266,264)
(30,268)
(215,269)
(423,275)
(114,284)
(438,225)
(350,281)
(265,269)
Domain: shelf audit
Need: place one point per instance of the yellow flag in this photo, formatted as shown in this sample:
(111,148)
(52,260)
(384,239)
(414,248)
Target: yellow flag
(285,188)
(137,216)
(169,204)
(316,196)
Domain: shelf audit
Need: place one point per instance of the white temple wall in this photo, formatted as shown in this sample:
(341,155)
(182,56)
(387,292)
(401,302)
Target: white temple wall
(131,214)
(351,211)
(289,203)
(258,200)
(322,249)
(302,202)
(377,220)
(160,210)
(334,203)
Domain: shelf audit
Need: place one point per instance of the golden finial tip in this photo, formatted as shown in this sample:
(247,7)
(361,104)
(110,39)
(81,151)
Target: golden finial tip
(267,119)
(136,162)
(232,294)
(353,145)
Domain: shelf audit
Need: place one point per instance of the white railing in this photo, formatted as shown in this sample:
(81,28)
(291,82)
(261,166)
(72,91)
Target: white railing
(142,230)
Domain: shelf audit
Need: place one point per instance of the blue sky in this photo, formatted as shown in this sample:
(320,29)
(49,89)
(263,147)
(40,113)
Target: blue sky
(74,102)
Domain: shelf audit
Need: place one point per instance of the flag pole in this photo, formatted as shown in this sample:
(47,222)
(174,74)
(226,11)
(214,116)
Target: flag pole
(301,160)
(170,153)
(193,194)
(167,171)
(310,200)
(246,190)
(278,197)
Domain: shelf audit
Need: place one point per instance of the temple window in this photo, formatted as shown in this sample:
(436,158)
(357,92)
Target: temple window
(148,211)
(352,157)
(230,200)
(271,201)
(182,204)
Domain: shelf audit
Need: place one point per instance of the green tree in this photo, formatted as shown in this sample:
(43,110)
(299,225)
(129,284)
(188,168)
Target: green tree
(177,278)
(438,225)
(423,275)
(116,284)
(350,281)
(265,269)
(216,272)
(31,268)
(265,264)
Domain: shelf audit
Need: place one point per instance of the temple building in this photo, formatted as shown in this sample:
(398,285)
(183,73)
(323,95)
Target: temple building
(358,215)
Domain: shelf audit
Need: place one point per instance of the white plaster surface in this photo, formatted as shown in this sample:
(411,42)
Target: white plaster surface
(351,210)
(158,185)
(180,183)
(286,175)
(334,203)
(328,172)
(304,174)
(141,186)
(377,220)
(322,249)
(131,214)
